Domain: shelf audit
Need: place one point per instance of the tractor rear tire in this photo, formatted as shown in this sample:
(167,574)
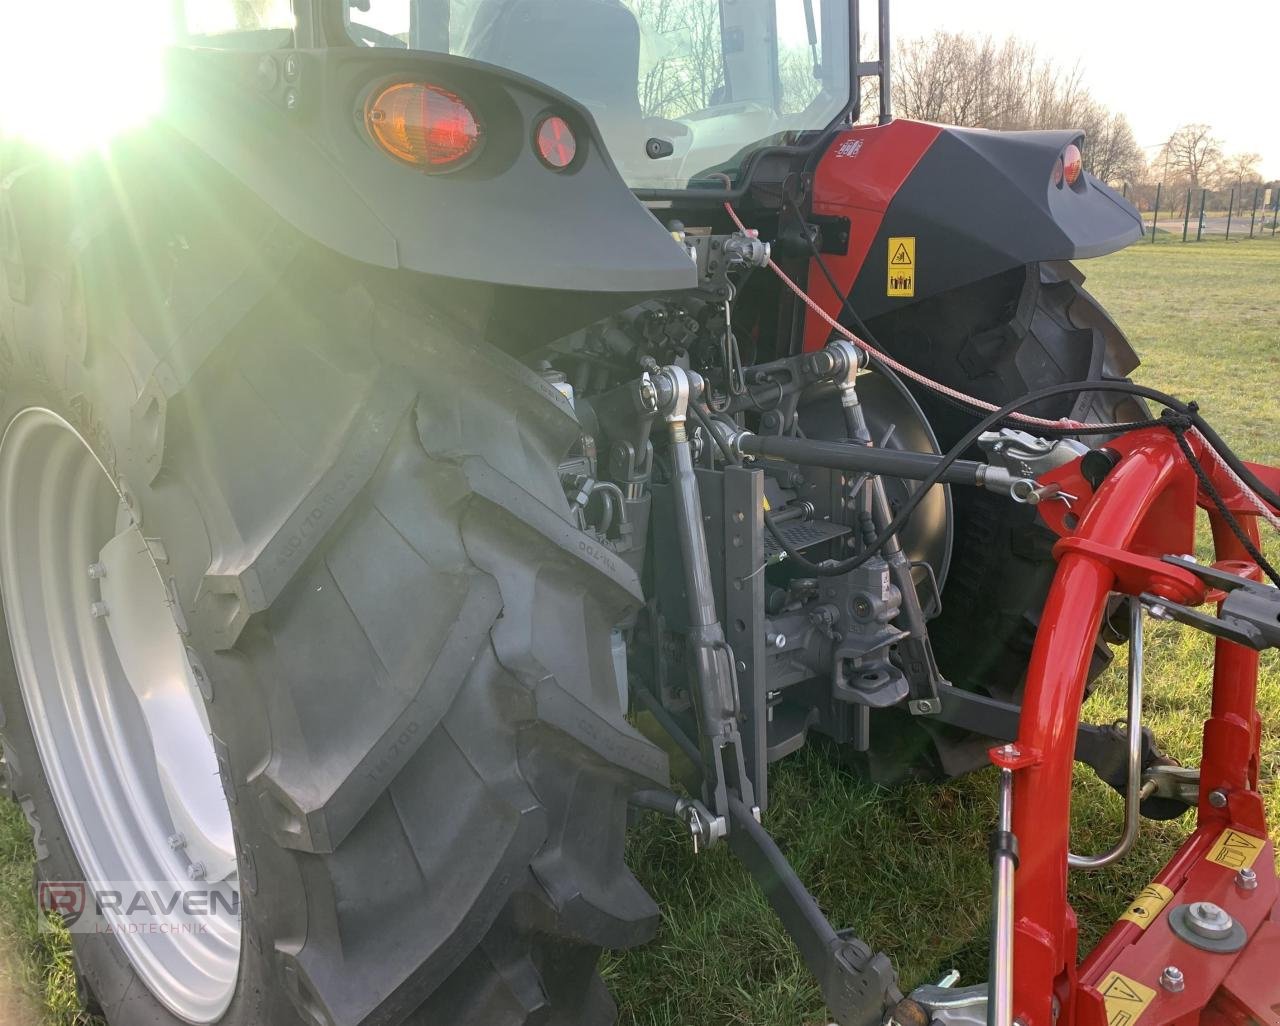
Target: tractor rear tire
(403,641)
(999,339)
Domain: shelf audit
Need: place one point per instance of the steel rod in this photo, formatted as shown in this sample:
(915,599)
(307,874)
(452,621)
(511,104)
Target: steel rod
(914,466)
(1000,999)
(1133,783)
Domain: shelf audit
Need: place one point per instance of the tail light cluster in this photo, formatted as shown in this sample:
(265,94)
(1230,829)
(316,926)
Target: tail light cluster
(1069,166)
(436,130)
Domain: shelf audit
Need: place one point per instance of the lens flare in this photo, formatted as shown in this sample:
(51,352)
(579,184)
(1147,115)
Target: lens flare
(76,73)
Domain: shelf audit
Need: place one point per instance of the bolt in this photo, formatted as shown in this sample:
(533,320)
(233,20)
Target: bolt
(1158,612)
(1171,979)
(1218,798)
(1247,879)
(742,666)
(177,841)
(97,571)
(1189,558)
(291,66)
(98,610)
(776,640)
(291,99)
(1011,751)
(1209,920)
(196,871)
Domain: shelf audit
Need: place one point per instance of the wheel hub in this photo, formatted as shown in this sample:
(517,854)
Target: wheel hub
(117,715)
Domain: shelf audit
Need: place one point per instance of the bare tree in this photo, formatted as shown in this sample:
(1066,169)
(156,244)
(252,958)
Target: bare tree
(1239,168)
(1193,152)
(965,80)
(1110,150)
(687,69)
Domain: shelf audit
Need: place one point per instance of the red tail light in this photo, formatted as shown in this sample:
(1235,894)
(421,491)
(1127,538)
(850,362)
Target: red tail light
(1072,164)
(557,145)
(423,125)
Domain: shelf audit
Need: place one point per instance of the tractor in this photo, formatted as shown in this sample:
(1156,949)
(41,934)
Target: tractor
(445,431)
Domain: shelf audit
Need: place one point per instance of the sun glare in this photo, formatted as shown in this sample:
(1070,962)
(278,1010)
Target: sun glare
(75,73)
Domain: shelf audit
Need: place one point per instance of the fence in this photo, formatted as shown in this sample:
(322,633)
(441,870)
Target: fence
(1196,215)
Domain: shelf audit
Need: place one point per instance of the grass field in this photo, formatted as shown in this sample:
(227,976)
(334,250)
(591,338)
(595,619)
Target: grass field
(907,867)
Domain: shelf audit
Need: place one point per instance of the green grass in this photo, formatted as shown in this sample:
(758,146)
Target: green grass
(907,867)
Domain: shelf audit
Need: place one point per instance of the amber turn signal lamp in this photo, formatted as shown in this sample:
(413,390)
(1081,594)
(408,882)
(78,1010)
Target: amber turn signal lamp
(423,125)
(1072,164)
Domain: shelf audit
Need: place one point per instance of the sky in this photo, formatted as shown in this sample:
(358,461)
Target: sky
(1161,64)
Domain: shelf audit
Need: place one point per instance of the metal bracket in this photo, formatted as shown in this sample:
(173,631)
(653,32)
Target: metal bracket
(1135,573)
(1250,613)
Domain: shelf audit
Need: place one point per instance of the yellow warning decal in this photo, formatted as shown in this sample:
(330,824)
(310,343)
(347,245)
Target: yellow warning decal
(1125,999)
(902,266)
(1147,905)
(1235,849)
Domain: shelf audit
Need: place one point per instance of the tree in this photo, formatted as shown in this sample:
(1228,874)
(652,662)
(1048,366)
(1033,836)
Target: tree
(1239,168)
(685,65)
(1111,152)
(964,80)
(1192,151)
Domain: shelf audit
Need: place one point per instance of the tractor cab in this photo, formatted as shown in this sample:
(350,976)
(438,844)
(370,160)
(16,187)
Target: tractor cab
(684,91)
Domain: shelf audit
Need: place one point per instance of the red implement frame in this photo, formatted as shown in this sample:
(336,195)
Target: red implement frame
(1112,541)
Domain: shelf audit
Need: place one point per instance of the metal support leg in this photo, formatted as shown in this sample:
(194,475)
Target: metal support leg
(1004,860)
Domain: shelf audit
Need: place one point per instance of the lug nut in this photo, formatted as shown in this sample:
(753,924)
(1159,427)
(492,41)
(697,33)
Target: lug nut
(1247,879)
(177,841)
(1171,979)
(196,871)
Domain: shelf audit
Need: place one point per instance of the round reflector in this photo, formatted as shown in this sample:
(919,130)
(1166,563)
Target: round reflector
(557,145)
(423,125)
(1072,164)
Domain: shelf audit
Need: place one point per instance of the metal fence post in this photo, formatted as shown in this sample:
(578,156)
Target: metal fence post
(1200,223)
(1275,214)
(1155,212)
(1186,218)
(1231,204)
(1253,216)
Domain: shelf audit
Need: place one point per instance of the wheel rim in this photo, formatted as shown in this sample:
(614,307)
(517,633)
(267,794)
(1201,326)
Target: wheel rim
(117,715)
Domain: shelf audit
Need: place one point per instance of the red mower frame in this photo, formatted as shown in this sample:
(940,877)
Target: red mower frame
(1142,972)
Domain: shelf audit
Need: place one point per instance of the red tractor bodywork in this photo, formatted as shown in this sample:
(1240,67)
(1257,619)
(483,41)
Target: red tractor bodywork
(859,176)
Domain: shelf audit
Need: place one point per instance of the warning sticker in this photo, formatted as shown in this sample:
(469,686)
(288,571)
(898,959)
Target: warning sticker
(902,266)
(1125,999)
(1235,849)
(1148,904)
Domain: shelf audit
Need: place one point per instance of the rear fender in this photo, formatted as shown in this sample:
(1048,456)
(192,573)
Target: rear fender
(974,203)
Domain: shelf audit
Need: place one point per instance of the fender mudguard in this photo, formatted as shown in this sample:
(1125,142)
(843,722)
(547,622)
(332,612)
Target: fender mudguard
(545,250)
(930,208)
